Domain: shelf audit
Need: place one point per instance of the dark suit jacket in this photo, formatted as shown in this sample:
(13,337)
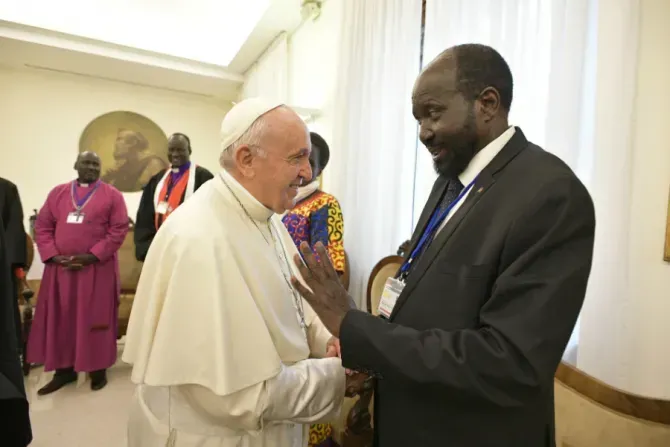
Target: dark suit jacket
(145,226)
(470,352)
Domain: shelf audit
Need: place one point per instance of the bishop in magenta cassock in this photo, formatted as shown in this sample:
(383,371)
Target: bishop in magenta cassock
(78,232)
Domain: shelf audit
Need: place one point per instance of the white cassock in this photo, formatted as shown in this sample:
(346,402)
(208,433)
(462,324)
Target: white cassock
(219,354)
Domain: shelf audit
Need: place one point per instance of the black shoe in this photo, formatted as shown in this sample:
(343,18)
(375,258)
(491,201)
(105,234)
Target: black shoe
(98,379)
(60,379)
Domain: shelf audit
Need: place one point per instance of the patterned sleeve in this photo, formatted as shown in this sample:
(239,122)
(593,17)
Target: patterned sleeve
(327,226)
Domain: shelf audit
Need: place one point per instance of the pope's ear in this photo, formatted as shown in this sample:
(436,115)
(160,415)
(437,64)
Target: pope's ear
(243,157)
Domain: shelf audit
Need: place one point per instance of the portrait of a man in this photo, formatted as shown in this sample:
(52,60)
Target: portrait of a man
(132,147)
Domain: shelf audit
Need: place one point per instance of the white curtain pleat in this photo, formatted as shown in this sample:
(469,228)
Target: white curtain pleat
(374,134)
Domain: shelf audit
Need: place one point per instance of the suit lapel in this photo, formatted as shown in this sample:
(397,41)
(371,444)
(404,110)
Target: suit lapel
(484,182)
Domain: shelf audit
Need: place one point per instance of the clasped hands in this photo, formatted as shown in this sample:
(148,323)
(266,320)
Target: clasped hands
(355,381)
(76,262)
(331,302)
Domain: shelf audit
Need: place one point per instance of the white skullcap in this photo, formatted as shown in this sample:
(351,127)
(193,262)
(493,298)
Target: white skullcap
(242,116)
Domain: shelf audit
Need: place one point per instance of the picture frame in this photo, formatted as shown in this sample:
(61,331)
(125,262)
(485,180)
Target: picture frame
(666,251)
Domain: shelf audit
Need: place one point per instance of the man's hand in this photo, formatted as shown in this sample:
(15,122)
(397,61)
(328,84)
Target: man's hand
(84,260)
(355,384)
(61,260)
(77,262)
(328,297)
(333,348)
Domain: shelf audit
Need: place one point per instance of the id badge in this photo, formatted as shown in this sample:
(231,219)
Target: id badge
(162,208)
(74,218)
(392,290)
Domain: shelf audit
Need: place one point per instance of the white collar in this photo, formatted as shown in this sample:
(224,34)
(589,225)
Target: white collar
(484,157)
(256,209)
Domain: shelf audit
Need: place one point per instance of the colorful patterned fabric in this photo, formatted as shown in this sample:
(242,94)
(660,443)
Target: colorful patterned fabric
(319,218)
(321,435)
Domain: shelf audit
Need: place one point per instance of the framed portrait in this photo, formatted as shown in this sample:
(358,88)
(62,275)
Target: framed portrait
(132,148)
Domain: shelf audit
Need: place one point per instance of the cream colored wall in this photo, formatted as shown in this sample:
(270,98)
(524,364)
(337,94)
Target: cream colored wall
(43,115)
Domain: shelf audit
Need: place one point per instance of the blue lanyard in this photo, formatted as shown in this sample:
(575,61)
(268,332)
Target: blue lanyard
(79,203)
(433,225)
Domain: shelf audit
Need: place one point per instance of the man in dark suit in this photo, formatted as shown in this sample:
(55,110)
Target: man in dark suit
(483,308)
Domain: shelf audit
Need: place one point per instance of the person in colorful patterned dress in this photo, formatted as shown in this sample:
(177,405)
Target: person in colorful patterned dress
(317,216)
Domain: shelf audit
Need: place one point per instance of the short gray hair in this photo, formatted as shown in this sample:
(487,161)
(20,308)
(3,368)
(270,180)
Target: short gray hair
(251,137)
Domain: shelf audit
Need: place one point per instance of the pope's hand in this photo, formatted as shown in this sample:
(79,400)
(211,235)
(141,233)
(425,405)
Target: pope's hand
(325,294)
(333,348)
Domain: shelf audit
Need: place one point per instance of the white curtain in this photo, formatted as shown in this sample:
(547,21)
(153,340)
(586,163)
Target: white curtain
(268,76)
(374,134)
(608,339)
(573,63)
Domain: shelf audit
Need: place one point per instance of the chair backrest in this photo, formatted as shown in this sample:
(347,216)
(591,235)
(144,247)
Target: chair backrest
(385,269)
(129,267)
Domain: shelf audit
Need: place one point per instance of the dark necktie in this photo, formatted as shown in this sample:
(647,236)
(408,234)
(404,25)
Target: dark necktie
(454,188)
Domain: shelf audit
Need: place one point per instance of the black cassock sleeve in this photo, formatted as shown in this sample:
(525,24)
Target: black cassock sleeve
(15,427)
(15,233)
(145,227)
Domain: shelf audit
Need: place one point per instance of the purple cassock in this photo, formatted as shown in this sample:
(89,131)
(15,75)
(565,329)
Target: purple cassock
(76,316)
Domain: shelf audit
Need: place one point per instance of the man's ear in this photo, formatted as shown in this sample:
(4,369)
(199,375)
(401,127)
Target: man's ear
(489,100)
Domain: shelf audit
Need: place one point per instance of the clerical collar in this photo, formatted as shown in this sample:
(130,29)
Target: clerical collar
(85,185)
(181,169)
(256,209)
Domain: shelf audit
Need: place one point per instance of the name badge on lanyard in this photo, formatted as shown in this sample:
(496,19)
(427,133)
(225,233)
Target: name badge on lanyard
(75,218)
(392,290)
(162,208)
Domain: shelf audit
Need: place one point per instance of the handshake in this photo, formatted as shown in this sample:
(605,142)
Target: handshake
(356,382)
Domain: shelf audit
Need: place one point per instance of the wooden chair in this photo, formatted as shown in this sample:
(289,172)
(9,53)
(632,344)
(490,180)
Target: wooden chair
(129,273)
